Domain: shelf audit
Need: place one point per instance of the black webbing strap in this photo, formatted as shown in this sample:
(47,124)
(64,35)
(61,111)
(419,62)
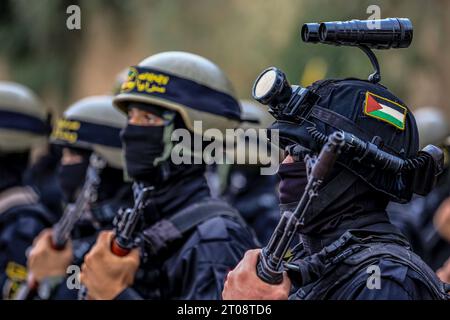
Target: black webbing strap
(161,234)
(197,213)
(340,122)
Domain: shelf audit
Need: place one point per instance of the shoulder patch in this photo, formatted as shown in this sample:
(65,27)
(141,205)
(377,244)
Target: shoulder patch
(385,110)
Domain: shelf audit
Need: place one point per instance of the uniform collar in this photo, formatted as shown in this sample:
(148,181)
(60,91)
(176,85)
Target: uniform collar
(188,187)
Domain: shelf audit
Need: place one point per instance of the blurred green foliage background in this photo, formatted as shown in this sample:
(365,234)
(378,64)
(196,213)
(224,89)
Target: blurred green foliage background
(243,37)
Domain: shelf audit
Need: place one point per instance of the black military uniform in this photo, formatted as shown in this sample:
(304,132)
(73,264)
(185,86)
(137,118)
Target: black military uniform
(344,269)
(193,264)
(190,241)
(96,124)
(346,234)
(22,218)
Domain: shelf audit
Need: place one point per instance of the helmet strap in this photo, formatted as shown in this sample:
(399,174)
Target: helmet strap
(167,134)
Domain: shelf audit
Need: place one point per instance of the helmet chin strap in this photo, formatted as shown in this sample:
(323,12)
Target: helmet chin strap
(169,126)
(162,162)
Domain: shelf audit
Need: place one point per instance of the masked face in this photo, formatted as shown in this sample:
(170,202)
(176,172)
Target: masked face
(72,172)
(292,180)
(144,143)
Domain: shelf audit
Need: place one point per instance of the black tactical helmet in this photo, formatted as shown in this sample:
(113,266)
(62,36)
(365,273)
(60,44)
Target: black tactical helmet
(380,132)
(368,112)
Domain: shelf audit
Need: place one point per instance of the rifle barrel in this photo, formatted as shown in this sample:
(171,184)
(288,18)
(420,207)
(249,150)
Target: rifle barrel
(271,258)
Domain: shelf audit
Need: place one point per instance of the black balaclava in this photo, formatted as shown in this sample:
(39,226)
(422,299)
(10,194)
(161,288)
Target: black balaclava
(292,181)
(357,207)
(71,177)
(147,148)
(147,156)
(12,168)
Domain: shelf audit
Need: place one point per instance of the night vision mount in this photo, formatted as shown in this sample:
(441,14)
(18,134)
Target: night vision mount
(287,102)
(293,103)
(364,34)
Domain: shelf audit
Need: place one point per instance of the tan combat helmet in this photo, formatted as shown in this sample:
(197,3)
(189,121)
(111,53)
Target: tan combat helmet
(121,77)
(189,84)
(94,124)
(22,118)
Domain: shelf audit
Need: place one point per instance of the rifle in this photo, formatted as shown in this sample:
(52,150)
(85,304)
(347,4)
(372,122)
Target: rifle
(269,268)
(62,229)
(125,225)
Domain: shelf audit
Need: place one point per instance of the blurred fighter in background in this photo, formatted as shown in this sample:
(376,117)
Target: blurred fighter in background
(425,221)
(189,240)
(254,195)
(91,125)
(22,215)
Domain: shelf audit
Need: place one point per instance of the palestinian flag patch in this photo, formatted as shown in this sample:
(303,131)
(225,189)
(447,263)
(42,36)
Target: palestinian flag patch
(385,110)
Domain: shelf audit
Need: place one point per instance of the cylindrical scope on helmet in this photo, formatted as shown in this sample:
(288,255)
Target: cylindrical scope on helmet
(310,32)
(375,34)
